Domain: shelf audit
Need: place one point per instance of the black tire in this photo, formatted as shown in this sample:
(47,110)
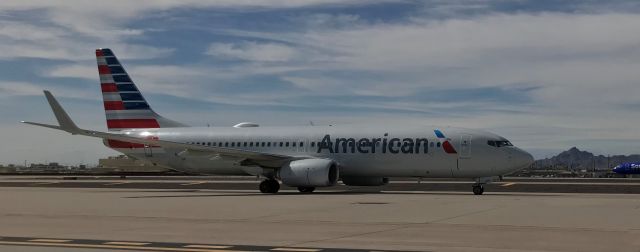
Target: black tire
(265,186)
(304,189)
(478,189)
(275,186)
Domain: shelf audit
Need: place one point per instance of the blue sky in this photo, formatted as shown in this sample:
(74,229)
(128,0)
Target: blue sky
(548,75)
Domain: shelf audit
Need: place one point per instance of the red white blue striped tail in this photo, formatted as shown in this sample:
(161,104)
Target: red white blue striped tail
(124,105)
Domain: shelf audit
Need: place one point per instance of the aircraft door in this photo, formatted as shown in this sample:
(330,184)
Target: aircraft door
(464,164)
(465,146)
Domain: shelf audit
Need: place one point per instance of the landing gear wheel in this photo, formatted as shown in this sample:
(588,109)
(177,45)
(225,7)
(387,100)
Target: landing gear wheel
(269,186)
(478,189)
(304,189)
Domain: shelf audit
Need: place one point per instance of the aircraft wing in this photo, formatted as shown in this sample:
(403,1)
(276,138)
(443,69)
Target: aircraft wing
(246,157)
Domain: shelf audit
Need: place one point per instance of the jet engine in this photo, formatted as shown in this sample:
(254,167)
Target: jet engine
(365,181)
(309,173)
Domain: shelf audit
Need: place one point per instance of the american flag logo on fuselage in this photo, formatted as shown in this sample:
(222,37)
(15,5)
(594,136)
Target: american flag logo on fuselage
(446,144)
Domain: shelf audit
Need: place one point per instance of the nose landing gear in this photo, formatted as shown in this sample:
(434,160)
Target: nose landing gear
(478,189)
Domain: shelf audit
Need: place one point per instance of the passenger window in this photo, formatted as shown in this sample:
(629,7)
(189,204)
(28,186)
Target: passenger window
(281,143)
(226,144)
(250,144)
(313,144)
(268,144)
(233,144)
(287,144)
(294,144)
(262,144)
(438,145)
(301,144)
(432,144)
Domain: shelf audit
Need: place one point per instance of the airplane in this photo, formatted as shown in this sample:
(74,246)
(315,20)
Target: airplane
(305,157)
(627,168)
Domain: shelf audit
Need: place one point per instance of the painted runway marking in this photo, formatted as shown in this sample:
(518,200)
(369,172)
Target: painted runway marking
(102,246)
(154,246)
(508,184)
(48,240)
(295,249)
(126,243)
(207,246)
(118,183)
(194,183)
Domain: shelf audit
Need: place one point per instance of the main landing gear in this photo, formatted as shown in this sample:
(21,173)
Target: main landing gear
(478,189)
(269,186)
(304,189)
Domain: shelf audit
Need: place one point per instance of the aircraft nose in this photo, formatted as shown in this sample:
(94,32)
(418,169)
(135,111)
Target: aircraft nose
(617,169)
(521,159)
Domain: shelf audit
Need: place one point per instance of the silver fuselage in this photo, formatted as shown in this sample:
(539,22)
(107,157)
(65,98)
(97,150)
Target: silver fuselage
(369,151)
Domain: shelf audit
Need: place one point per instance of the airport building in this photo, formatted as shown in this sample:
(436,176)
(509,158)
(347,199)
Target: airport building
(44,168)
(7,169)
(123,163)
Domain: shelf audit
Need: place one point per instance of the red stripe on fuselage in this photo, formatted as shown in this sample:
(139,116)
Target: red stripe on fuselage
(121,144)
(132,123)
(113,105)
(109,87)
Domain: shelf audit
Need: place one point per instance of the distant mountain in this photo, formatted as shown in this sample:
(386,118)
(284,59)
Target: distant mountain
(575,159)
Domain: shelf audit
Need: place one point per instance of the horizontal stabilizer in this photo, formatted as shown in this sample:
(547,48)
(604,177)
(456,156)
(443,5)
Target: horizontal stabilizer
(43,125)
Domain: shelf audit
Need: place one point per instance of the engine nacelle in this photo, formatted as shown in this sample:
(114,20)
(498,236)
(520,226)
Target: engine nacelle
(365,181)
(309,173)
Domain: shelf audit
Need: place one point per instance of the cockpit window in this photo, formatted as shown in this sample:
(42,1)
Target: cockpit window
(500,143)
(503,143)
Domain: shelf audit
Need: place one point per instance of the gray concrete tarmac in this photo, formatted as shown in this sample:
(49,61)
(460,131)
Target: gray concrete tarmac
(333,220)
(514,185)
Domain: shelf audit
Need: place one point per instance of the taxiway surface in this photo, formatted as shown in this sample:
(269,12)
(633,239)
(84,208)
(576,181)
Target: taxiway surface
(572,185)
(332,220)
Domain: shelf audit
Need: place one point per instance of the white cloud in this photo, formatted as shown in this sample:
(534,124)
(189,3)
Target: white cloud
(12,89)
(19,89)
(103,19)
(83,71)
(252,51)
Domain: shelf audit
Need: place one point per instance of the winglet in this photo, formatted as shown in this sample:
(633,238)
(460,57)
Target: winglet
(63,118)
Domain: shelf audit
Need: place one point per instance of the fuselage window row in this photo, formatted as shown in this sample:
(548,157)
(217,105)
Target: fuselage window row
(314,144)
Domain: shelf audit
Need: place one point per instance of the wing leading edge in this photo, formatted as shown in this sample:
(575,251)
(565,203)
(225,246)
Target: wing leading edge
(246,157)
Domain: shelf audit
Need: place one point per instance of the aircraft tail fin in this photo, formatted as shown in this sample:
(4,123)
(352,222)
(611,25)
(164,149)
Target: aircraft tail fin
(124,105)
